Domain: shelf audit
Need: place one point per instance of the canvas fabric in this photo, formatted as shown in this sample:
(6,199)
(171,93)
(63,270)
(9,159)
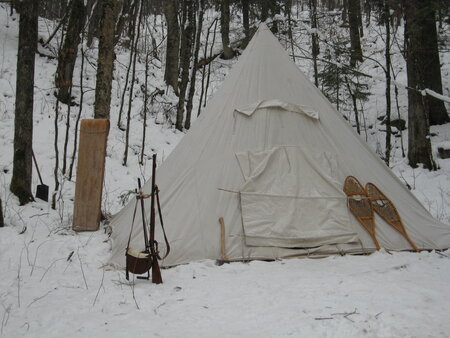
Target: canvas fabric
(270,155)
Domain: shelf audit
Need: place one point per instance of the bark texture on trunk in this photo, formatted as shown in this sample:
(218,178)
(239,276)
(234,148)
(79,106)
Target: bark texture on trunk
(314,39)
(246,22)
(187,123)
(356,52)
(23,119)
(387,54)
(173,44)
(2,221)
(186,52)
(105,62)
(432,77)
(69,51)
(419,146)
(94,8)
(225,29)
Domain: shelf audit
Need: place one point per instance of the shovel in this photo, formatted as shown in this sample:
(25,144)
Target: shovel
(42,189)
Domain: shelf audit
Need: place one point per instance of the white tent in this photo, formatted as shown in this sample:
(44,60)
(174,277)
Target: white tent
(270,155)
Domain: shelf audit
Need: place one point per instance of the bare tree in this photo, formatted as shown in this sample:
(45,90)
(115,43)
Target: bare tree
(433,80)
(130,62)
(225,29)
(246,22)
(2,221)
(80,109)
(314,38)
(186,48)
(187,123)
(355,41)
(23,119)
(419,146)
(105,61)
(69,51)
(173,44)
(204,70)
(387,24)
(133,77)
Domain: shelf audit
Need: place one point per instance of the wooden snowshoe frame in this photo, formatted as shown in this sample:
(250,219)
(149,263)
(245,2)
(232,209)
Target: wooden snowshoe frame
(359,204)
(384,207)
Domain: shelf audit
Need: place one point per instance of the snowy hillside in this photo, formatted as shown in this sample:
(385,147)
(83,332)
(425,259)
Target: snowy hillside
(52,282)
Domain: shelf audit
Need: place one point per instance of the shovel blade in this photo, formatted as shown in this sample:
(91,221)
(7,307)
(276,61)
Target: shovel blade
(42,192)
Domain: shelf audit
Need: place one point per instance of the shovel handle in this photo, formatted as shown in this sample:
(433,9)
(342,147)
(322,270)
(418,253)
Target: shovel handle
(37,168)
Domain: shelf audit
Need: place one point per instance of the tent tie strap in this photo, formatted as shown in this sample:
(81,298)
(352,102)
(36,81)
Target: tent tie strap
(142,196)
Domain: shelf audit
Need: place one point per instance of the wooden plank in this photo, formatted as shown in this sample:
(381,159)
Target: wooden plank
(90,173)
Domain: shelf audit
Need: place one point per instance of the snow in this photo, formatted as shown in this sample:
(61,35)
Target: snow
(52,282)
(381,295)
(437,95)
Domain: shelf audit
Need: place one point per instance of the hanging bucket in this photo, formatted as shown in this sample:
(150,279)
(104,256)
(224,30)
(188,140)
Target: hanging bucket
(138,262)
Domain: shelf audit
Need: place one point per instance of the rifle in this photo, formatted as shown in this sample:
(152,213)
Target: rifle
(156,272)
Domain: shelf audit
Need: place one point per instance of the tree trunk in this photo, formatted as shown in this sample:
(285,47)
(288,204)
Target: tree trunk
(95,15)
(209,64)
(173,44)
(225,29)
(132,52)
(264,10)
(128,7)
(136,35)
(186,48)
(360,23)
(419,146)
(367,11)
(144,113)
(80,109)
(2,221)
(315,43)
(105,62)
(288,13)
(274,12)
(345,11)
(356,52)
(68,54)
(204,70)
(187,123)
(245,22)
(23,119)
(55,146)
(438,113)
(387,24)
(355,106)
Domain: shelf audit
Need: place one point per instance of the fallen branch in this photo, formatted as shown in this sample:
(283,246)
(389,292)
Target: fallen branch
(81,266)
(101,284)
(38,298)
(346,314)
(18,278)
(5,318)
(49,267)
(35,256)
(156,308)
(134,296)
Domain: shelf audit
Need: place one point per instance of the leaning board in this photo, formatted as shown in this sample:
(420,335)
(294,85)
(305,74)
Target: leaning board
(90,172)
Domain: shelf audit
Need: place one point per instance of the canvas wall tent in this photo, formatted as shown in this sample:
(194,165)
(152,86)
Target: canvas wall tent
(270,135)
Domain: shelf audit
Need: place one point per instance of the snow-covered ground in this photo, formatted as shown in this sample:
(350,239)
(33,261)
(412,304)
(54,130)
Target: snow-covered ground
(51,279)
(43,294)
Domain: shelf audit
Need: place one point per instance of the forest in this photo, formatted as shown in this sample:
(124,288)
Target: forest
(151,67)
(187,39)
